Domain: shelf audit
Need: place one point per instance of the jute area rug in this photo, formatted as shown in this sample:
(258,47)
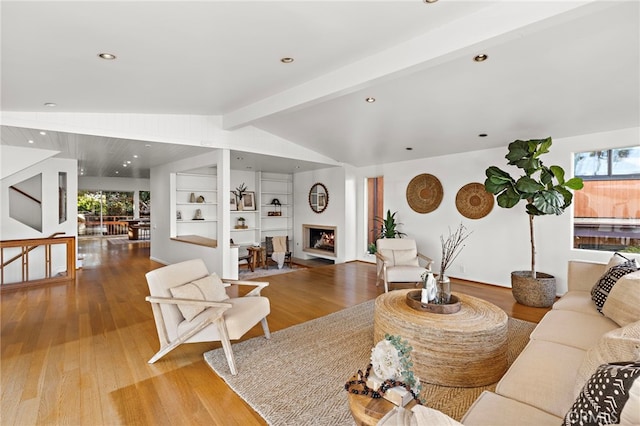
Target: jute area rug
(298,377)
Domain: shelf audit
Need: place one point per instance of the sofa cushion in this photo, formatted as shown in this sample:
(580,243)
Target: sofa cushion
(605,396)
(603,286)
(209,288)
(570,328)
(623,303)
(621,344)
(577,301)
(496,410)
(543,376)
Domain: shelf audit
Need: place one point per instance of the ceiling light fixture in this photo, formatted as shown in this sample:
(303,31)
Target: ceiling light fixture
(370,100)
(480,58)
(430,1)
(50,104)
(482,135)
(107,56)
(135,156)
(30,141)
(286,60)
(409,148)
(43,133)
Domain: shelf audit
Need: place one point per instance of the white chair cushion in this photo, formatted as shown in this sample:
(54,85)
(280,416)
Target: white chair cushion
(404,274)
(400,257)
(209,288)
(240,318)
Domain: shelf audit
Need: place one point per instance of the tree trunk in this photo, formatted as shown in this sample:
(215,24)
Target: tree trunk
(533,248)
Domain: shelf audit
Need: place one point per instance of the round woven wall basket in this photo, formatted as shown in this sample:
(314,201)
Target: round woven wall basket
(424,193)
(473,201)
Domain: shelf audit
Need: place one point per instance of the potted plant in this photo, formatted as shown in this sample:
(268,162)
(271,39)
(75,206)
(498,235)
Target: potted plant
(241,222)
(388,226)
(545,192)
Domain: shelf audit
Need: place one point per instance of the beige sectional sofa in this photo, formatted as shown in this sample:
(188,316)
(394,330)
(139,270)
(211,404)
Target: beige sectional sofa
(542,384)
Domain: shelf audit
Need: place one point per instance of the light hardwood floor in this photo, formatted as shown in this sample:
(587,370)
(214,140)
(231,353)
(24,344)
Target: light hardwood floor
(77,354)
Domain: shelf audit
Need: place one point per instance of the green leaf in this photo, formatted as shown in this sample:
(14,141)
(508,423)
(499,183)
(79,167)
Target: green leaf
(549,202)
(517,151)
(566,196)
(558,172)
(528,185)
(508,198)
(574,183)
(543,146)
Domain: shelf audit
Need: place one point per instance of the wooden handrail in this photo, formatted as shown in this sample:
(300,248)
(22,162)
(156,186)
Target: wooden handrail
(26,246)
(25,194)
(18,256)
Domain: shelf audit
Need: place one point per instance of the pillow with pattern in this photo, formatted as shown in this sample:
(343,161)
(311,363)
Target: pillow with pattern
(609,397)
(601,289)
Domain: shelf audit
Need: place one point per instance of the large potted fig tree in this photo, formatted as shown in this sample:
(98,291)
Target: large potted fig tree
(545,191)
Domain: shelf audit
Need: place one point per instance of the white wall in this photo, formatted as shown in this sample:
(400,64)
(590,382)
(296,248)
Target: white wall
(340,211)
(11,229)
(500,241)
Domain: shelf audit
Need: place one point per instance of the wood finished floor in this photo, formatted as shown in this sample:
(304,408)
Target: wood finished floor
(76,354)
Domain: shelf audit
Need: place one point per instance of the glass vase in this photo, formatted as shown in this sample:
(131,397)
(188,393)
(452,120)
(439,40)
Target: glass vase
(443,293)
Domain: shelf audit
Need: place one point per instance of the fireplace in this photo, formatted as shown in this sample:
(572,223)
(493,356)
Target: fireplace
(320,239)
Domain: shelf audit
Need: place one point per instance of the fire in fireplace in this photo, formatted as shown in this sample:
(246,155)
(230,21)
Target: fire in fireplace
(319,239)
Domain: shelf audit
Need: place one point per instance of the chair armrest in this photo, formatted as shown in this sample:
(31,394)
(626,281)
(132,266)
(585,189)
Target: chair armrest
(380,258)
(426,259)
(174,301)
(259,285)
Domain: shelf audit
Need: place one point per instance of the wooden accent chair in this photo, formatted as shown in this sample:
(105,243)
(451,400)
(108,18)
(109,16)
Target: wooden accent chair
(269,251)
(398,260)
(190,305)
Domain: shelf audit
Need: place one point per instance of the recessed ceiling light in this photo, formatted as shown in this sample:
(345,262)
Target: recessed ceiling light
(50,105)
(117,172)
(147,145)
(107,56)
(409,148)
(370,100)
(482,135)
(128,162)
(43,133)
(430,1)
(30,141)
(135,156)
(240,158)
(124,164)
(286,60)
(480,58)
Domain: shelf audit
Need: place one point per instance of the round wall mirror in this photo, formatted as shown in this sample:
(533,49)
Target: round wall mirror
(318,197)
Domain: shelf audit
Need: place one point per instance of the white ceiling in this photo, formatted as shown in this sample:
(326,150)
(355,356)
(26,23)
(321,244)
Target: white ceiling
(555,69)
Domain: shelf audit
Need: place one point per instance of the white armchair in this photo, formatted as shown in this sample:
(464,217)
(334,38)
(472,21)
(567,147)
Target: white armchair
(190,305)
(398,261)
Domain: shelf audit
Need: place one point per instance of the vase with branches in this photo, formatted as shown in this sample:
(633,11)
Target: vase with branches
(451,248)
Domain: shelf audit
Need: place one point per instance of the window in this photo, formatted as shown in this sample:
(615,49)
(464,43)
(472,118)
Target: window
(375,192)
(607,209)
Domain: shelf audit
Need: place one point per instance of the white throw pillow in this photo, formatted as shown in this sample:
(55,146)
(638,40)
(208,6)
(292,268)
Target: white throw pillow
(623,303)
(621,344)
(209,288)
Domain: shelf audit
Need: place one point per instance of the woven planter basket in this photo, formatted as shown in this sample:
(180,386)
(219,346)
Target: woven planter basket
(539,292)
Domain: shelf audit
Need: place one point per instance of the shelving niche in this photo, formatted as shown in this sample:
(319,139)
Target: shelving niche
(189,188)
(276,186)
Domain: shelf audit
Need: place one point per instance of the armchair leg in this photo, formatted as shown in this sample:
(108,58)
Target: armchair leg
(265,328)
(226,346)
(165,349)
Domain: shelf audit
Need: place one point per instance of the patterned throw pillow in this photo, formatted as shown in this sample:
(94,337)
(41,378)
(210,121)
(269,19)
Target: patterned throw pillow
(601,290)
(209,288)
(605,398)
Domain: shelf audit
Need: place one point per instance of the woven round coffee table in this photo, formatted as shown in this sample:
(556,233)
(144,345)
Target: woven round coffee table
(464,349)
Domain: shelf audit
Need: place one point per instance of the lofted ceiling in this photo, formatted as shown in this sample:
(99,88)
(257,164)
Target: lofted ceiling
(555,69)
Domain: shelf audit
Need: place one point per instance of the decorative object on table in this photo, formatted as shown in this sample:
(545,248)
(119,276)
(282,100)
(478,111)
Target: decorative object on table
(543,196)
(239,195)
(414,301)
(198,215)
(429,289)
(192,198)
(179,215)
(200,199)
(241,223)
(277,208)
(473,201)
(451,248)
(390,374)
(424,193)
(389,226)
(249,200)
